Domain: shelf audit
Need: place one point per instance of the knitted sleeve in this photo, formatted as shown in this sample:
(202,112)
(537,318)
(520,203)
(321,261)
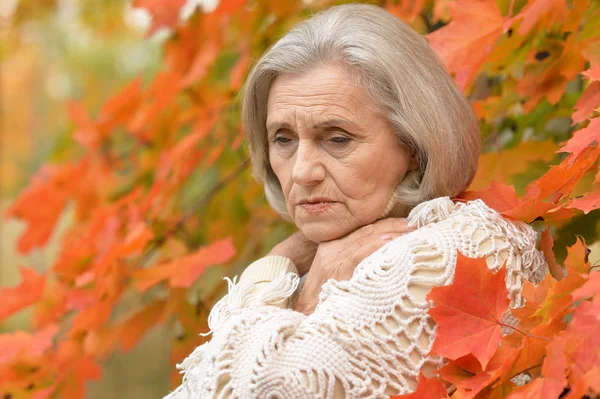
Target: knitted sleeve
(369,336)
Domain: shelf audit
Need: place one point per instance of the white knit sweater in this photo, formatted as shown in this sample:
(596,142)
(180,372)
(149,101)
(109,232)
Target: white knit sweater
(369,336)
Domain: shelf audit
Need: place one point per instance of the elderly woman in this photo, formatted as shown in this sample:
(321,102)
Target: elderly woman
(361,140)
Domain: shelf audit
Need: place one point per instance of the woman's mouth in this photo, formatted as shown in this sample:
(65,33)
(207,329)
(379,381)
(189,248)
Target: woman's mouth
(316,206)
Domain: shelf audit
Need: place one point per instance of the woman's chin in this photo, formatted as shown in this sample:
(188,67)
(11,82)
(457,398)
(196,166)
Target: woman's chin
(322,232)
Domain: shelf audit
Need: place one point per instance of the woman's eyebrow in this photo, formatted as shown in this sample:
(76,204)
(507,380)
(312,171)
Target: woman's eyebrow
(338,122)
(275,125)
(335,122)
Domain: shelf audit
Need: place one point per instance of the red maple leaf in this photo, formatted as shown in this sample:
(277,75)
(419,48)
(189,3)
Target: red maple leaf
(427,388)
(27,293)
(468,312)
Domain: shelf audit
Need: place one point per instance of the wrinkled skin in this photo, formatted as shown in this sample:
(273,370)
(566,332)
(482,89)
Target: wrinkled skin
(328,142)
(326,139)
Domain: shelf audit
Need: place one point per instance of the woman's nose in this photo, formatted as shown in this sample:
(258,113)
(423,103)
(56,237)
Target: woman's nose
(308,167)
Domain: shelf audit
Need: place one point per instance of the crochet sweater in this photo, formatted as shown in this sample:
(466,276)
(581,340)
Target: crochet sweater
(369,336)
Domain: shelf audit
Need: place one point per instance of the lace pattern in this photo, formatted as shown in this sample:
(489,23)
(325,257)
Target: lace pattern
(369,336)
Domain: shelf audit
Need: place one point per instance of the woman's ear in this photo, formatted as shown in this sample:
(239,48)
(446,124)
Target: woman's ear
(413,164)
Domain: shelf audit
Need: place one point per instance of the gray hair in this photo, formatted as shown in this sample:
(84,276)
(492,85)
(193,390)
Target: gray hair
(406,82)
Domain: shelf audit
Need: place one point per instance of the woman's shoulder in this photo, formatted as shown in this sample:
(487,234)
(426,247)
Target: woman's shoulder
(483,232)
(447,214)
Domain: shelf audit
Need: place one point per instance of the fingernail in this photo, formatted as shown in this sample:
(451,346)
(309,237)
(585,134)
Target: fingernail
(386,237)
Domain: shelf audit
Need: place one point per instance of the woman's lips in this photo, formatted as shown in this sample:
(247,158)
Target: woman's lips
(316,207)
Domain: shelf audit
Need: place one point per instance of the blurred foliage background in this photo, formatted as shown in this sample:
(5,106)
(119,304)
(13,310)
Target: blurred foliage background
(52,51)
(130,92)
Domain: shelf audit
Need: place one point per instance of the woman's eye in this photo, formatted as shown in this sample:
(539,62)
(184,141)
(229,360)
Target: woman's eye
(339,139)
(282,139)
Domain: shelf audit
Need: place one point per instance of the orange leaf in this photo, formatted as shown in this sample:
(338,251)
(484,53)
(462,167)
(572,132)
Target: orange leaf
(498,196)
(468,312)
(589,100)
(27,293)
(31,344)
(586,203)
(540,11)
(184,271)
(501,166)
(593,73)
(503,199)
(93,316)
(53,184)
(165,14)
(583,138)
(134,328)
(560,179)
(201,64)
(427,388)
(229,6)
(546,246)
(553,382)
(466,41)
(187,270)
(590,288)
(86,134)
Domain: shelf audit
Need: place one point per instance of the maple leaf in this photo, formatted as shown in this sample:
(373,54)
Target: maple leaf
(546,246)
(229,6)
(503,198)
(501,166)
(590,288)
(593,72)
(184,271)
(469,311)
(560,179)
(465,42)
(11,345)
(427,388)
(538,12)
(133,329)
(165,14)
(28,292)
(558,299)
(589,100)
(587,202)
(53,184)
(583,138)
(553,382)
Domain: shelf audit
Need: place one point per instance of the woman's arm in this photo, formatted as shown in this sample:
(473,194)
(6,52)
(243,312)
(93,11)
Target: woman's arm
(369,336)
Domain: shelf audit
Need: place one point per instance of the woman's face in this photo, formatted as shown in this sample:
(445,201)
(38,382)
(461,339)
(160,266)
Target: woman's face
(337,159)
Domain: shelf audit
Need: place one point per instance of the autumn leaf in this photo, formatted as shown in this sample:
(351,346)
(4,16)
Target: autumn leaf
(165,14)
(592,73)
(184,271)
(587,202)
(427,388)
(503,198)
(28,292)
(133,329)
(544,12)
(546,246)
(560,179)
(553,381)
(501,166)
(590,288)
(34,345)
(53,184)
(229,6)
(589,100)
(583,138)
(469,311)
(466,41)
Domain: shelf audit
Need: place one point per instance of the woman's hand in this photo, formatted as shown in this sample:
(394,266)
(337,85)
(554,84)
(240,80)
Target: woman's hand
(299,249)
(337,259)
